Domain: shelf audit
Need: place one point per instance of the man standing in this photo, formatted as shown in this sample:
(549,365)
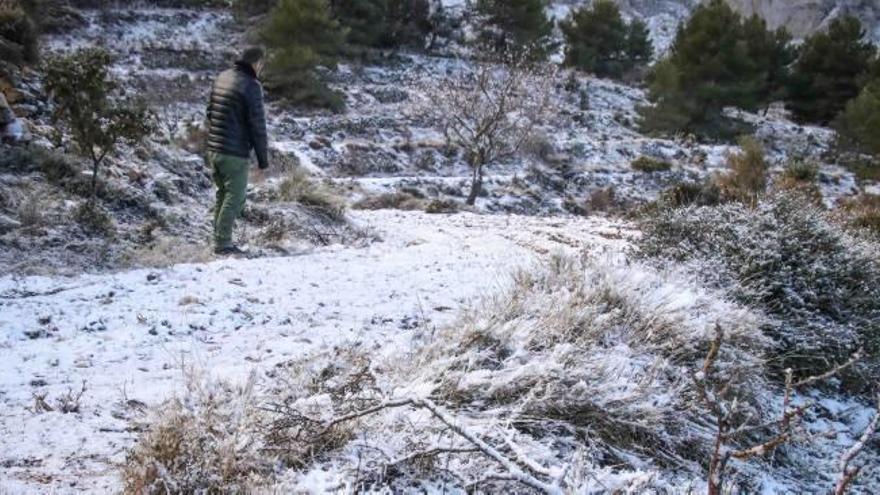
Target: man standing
(236,124)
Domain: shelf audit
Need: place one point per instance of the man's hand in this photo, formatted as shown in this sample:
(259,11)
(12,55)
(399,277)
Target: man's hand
(258,175)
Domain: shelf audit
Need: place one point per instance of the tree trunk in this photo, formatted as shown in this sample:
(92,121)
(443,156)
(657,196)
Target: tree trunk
(95,165)
(476,185)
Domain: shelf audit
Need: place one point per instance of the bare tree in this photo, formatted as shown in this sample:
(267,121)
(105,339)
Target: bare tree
(491,110)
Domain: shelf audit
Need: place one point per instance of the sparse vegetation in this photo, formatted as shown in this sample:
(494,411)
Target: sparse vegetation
(441,206)
(205,442)
(693,193)
(94,218)
(801,176)
(861,213)
(649,164)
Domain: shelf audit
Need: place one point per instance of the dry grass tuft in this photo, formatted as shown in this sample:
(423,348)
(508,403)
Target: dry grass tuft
(747,179)
(861,213)
(164,252)
(649,164)
(207,441)
(299,187)
(398,200)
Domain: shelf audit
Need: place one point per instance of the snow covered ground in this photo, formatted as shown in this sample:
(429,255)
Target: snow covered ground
(126,337)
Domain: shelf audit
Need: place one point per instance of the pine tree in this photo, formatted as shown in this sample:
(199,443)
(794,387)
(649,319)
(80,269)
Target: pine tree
(773,54)
(712,65)
(516,27)
(859,125)
(639,47)
(384,23)
(599,41)
(302,35)
(829,71)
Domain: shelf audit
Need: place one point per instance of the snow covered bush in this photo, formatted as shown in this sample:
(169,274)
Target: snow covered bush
(206,441)
(586,363)
(820,284)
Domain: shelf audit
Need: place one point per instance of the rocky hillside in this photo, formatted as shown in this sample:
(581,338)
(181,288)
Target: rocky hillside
(803,17)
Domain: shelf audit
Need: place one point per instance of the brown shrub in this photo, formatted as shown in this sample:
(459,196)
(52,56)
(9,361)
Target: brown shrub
(442,206)
(649,164)
(398,200)
(747,178)
(299,187)
(861,212)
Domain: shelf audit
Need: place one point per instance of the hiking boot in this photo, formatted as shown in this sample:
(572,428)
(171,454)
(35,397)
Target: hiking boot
(229,251)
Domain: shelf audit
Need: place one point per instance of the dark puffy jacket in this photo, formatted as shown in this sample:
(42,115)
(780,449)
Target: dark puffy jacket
(236,118)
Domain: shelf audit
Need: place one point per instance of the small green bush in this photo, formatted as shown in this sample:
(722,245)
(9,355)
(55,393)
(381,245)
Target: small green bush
(801,171)
(705,193)
(89,104)
(94,218)
(650,164)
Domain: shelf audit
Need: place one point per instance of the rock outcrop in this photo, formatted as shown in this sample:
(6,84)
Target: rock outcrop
(803,17)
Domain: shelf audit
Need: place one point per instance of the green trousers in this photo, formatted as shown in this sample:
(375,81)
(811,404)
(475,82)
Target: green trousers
(230,177)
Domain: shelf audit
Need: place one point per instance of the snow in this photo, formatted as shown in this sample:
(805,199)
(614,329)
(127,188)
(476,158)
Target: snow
(127,335)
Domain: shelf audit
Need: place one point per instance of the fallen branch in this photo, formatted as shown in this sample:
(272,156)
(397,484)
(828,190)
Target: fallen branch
(514,472)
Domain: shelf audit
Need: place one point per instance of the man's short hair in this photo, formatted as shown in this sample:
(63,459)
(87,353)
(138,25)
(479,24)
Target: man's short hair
(252,54)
